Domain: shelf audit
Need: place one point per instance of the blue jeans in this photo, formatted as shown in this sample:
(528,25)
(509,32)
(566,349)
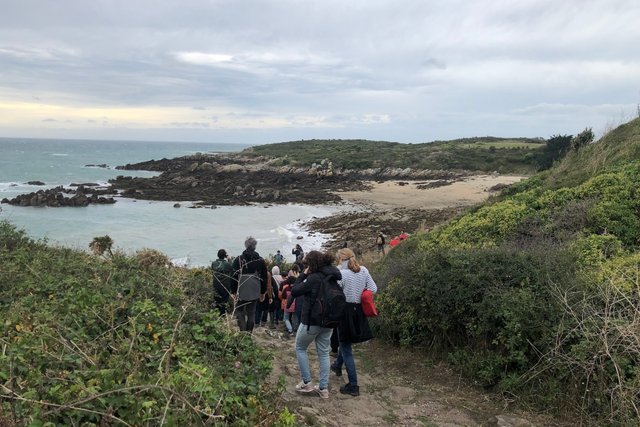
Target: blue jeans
(290,321)
(345,355)
(322,337)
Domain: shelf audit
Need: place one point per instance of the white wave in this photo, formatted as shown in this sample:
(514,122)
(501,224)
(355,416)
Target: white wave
(181,262)
(59,154)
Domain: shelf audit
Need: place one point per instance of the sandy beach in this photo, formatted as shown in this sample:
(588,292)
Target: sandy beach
(395,206)
(405,194)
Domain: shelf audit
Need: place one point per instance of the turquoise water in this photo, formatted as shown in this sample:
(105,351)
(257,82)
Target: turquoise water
(190,236)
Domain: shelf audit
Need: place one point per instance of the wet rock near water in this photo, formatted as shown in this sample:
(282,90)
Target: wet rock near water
(35,183)
(61,197)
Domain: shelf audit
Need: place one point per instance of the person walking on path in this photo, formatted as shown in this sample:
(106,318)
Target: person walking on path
(275,312)
(288,306)
(354,327)
(250,284)
(319,267)
(222,278)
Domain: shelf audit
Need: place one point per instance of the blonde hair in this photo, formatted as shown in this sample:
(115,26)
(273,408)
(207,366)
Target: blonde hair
(346,254)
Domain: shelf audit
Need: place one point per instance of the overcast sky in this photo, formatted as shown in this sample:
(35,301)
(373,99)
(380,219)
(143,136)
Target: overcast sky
(254,71)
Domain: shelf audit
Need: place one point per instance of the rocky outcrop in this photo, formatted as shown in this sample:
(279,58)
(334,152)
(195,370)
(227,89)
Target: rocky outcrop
(61,197)
(217,179)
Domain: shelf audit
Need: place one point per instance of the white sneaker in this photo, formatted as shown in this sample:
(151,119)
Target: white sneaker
(323,393)
(303,388)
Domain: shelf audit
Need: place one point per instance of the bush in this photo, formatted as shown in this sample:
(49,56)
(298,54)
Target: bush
(90,341)
(490,307)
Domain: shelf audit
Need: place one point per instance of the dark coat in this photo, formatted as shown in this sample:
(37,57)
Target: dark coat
(252,262)
(222,278)
(309,287)
(354,327)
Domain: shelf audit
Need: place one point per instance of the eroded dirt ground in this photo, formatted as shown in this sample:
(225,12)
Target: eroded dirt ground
(397,388)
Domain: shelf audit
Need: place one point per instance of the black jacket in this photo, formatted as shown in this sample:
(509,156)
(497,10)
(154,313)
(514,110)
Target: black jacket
(309,286)
(251,263)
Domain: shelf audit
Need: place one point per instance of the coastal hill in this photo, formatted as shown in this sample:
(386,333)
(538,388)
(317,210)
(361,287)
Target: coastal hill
(534,294)
(313,171)
(483,154)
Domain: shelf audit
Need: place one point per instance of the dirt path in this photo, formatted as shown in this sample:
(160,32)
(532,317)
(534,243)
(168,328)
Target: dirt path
(397,389)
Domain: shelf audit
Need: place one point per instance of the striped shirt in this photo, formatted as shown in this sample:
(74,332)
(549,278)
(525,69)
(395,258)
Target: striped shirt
(354,283)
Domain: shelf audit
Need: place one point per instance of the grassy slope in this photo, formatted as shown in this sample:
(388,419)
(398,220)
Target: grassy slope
(121,338)
(544,270)
(618,146)
(517,155)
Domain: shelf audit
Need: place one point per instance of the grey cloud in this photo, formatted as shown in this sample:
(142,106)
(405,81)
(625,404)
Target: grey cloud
(409,68)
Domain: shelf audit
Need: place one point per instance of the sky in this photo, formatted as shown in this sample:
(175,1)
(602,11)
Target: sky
(262,71)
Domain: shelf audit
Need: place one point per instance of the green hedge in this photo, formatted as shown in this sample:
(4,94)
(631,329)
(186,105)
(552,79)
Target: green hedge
(535,294)
(90,341)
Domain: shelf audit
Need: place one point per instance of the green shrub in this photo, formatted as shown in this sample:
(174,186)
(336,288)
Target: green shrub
(490,305)
(90,341)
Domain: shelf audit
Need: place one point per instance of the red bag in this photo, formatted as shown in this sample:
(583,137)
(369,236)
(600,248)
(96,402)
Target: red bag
(368,306)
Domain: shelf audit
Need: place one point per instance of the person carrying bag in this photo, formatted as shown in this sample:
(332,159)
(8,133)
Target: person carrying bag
(354,327)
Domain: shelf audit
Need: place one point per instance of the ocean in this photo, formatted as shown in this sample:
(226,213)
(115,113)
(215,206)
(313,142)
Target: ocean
(190,237)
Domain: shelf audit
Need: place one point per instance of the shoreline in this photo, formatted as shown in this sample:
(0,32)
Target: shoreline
(400,205)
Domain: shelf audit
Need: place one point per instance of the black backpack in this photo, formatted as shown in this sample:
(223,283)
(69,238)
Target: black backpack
(330,303)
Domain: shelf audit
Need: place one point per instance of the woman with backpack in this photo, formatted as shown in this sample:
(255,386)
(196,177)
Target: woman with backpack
(318,269)
(354,327)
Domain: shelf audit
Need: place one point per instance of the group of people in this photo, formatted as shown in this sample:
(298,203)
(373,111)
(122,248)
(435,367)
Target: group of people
(381,240)
(260,295)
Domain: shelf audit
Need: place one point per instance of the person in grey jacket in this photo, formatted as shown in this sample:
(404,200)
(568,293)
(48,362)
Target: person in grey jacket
(248,269)
(318,267)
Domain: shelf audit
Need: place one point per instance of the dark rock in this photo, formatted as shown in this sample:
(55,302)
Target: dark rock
(499,187)
(35,183)
(55,197)
(176,205)
(84,184)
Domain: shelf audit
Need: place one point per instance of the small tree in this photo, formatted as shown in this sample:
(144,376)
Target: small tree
(556,148)
(583,138)
(100,245)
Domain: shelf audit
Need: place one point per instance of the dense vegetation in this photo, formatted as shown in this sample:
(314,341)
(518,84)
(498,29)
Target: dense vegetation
(516,155)
(536,294)
(88,340)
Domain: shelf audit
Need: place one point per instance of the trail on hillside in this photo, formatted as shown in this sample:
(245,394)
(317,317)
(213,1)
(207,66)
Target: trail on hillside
(397,388)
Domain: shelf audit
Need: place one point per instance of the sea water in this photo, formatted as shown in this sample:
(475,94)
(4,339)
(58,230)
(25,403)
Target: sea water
(188,236)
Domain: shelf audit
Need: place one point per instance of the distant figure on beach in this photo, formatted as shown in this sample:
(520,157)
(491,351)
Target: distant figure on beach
(380,241)
(250,274)
(222,281)
(358,250)
(354,327)
(278,258)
